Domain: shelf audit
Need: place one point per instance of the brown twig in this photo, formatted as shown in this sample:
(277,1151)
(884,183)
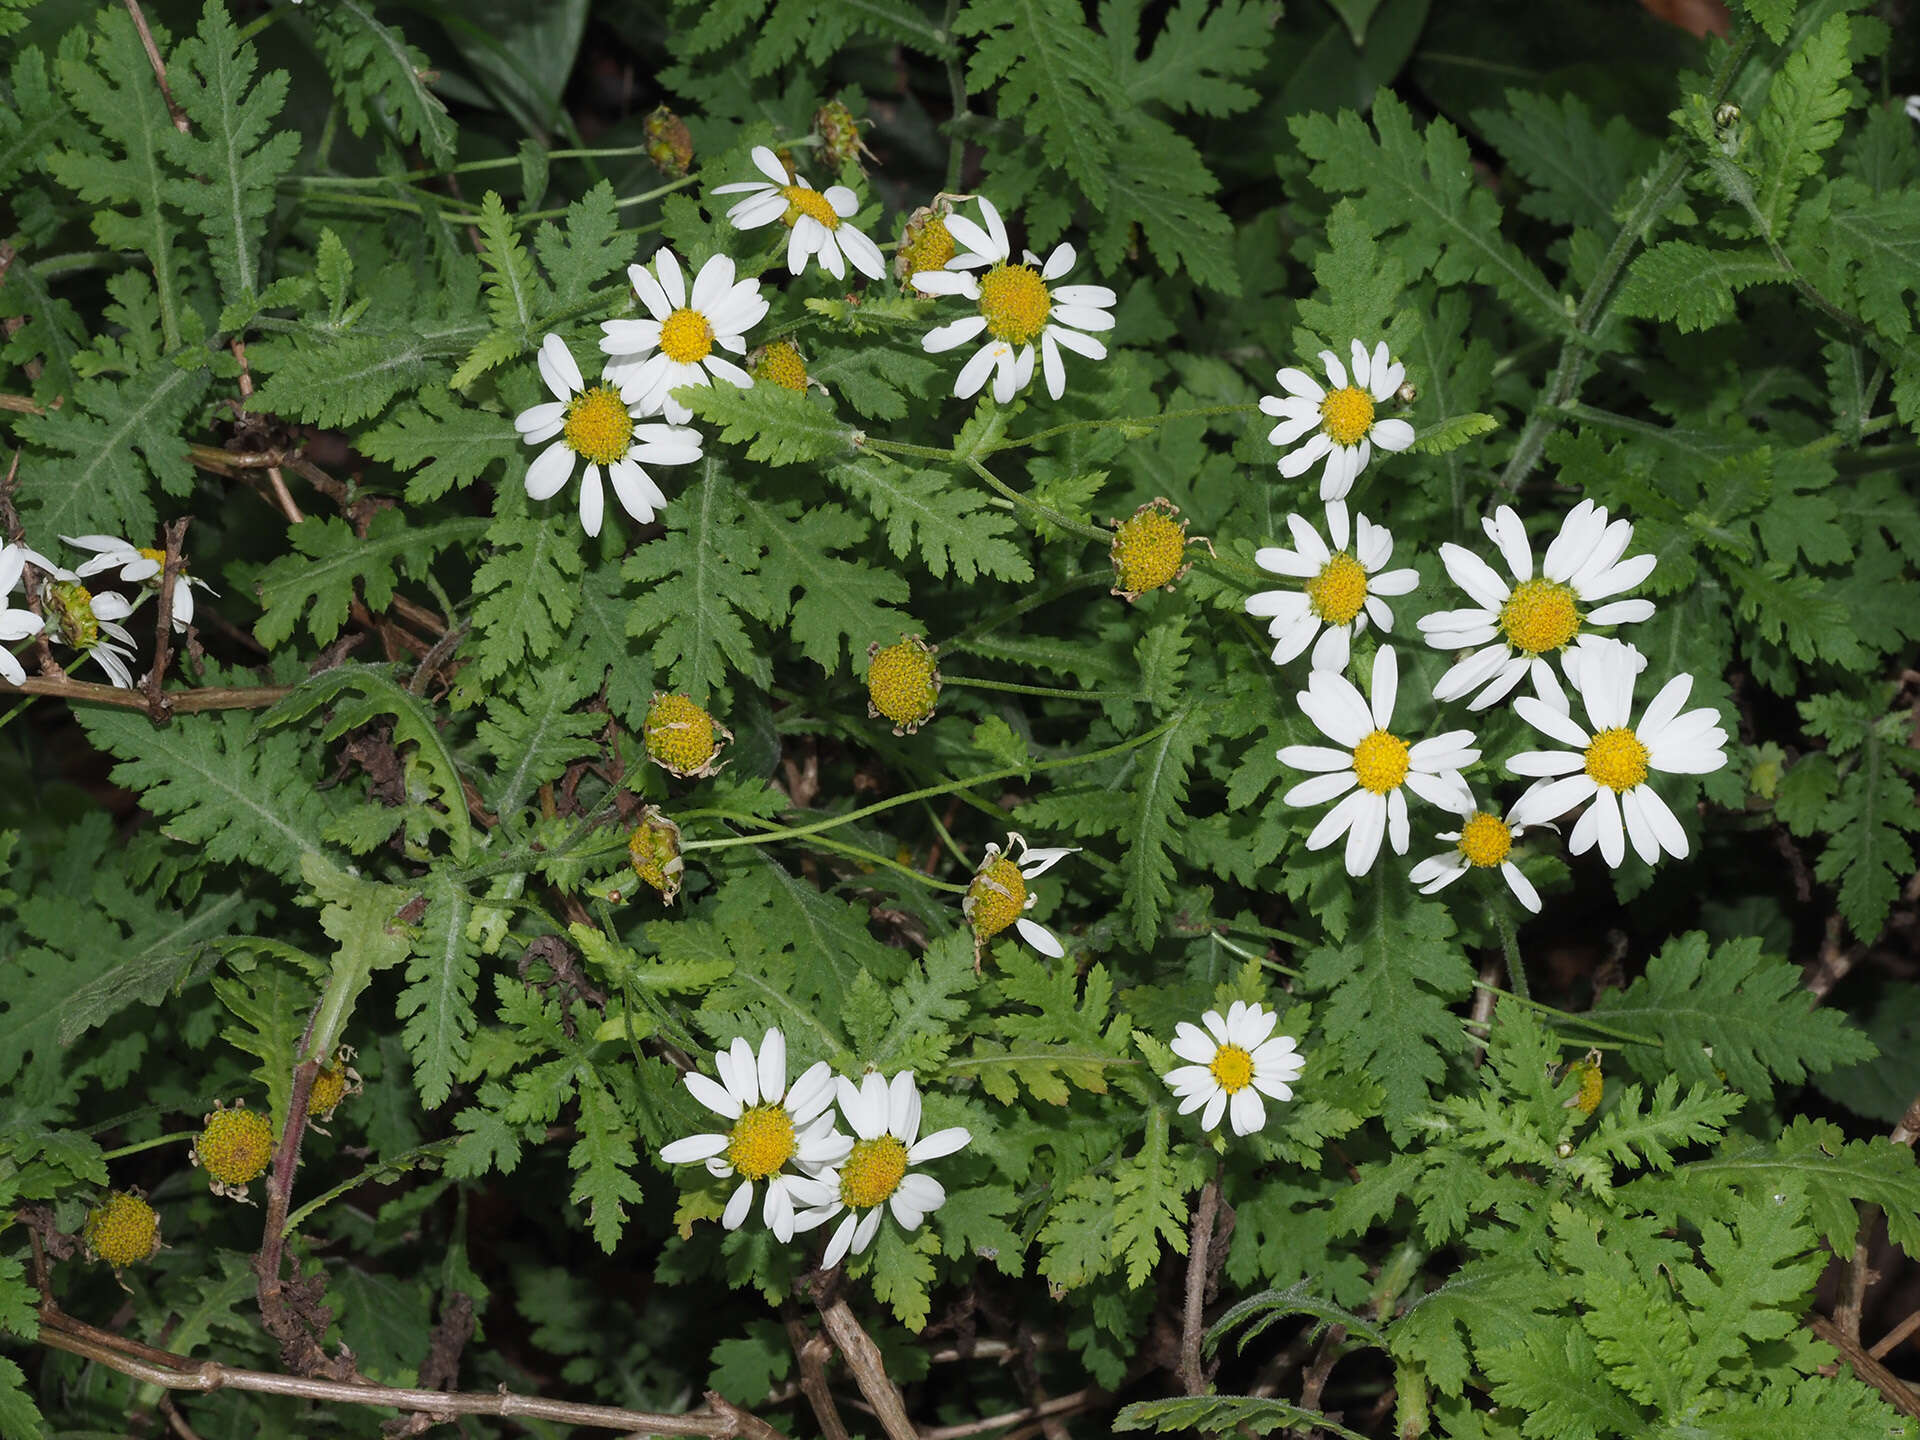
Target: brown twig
(1315,1379)
(287,1322)
(282,496)
(159,709)
(159,66)
(1909,1127)
(1890,1341)
(1048,1410)
(1898,1393)
(722,1419)
(178,702)
(1192,1370)
(1834,962)
(810,1350)
(863,1359)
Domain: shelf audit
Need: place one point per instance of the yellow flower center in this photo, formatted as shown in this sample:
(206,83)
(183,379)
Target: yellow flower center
(686,336)
(929,247)
(1617,759)
(654,851)
(123,1231)
(761,1141)
(995,898)
(1148,549)
(1347,415)
(73,609)
(1233,1068)
(235,1146)
(158,557)
(901,683)
(1336,594)
(1485,840)
(805,200)
(329,1089)
(598,426)
(679,735)
(1015,301)
(1539,616)
(873,1171)
(1592,1086)
(1380,760)
(780,364)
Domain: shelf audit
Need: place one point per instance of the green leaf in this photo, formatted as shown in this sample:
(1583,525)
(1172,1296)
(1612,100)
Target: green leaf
(1691,286)
(319,581)
(1760,1266)
(454,442)
(1388,989)
(745,1370)
(779,426)
(230,160)
(1453,432)
(1579,170)
(1732,1011)
(823,599)
(1773,16)
(513,297)
(362,917)
(525,591)
(1051,76)
(603,1162)
(535,735)
(1254,1315)
(953,527)
(1217,1414)
(377,74)
(437,1003)
(1802,118)
(923,1007)
(1201,47)
(1149,1202)
(1556,1380)
(270,1008)
(1154,818)
(19,1416)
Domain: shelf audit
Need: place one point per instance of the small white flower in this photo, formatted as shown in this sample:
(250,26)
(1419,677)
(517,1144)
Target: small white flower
(1610,764)
(1341,592)
(595,425)
(138,565)
(818,218)
(1517,626)
(1483,842)
(1341,420)
(15,625)
(653,358)
(773,1126)
(1913,108)
(874,1178)
(1233,1063)
(1018,305)
(999,894)
(1371,757)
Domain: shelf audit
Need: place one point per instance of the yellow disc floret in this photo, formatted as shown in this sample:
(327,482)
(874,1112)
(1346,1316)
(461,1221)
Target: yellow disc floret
(1148,550)
(1617,759)
(234,1147)
(925,244)
(681,737)
(332,1083)
(686,336)
(805,200)
(761,1141)
(158,557)
(872,1172)
(72,607)
(1233,1068)
(780,364)
(902,683)
(1592,1084)
(1015,301)
(122,1230)
(1485,840)
(1347,415)
(654,850)
(995,898)
(598,427)
(1540,615)
(1380,762)
(1336,594)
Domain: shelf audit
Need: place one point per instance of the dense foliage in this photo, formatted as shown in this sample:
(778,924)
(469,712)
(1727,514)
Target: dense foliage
(518,826)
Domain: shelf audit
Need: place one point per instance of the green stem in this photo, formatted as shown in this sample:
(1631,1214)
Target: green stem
(154,1144)
(1044,692)
(900,447)
(1259,957)
(841,847)
(957,93)
(1568,1016)
(927,793)
(1014,442)
(1085,580)
(1510,947)
(399,1164)
(1027,502)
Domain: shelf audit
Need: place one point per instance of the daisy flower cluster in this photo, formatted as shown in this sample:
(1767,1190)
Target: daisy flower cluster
(79,615)
(783,1142)
(1542,622)
(618,430)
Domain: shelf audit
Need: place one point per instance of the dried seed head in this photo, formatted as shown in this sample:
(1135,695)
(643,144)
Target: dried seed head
(234,1147)
(1149,550)
(122,1230)
(779,364)
(669,142)
(654,849)
(924,244)
(683,739)
(839,135)
(332,1083)
(902,683)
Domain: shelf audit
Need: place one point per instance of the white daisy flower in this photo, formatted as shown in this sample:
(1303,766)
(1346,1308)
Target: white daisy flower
(998,895)
(1517,626)
(1484,841)
(1610,764)
(90,623)
(136,565)
(653,358)
(773,1126)
(15,625)
(1232,1064)
(874,1177)
(1018,304)
(1341,420)
(1371,757)
(817,218)
(1341,590)
(597,426)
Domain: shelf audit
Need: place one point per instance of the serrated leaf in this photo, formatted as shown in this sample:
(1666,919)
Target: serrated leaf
(778,425)
(1149,1202)
(831,606)
(452,444)
(1692,286)
(525,591)
(320,581)
(603,1162)
(1052,73)
(1218,1414)
(1155,817)
(437,1003)
(1200,47)
(952,527)
(1802,118)
(377,74)
(1453,432)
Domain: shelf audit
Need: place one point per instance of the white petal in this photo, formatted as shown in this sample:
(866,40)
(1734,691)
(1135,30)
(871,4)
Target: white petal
(593,500)
(842,1239)
(1395,435)
(1038,936)
(1549,721)
(550,471)
(1661,820)
(1475,576)
(738,1206)
(773,1066)
(1249,1114)
(868,1228)
(1511,536)
(1363,840)
(694,1148)
(939,1143)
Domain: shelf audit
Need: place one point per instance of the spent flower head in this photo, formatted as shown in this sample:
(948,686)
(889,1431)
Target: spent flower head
(681,738)
(122,1230)
(234,1147)
(999,897)
(1149,549)
(903,683)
